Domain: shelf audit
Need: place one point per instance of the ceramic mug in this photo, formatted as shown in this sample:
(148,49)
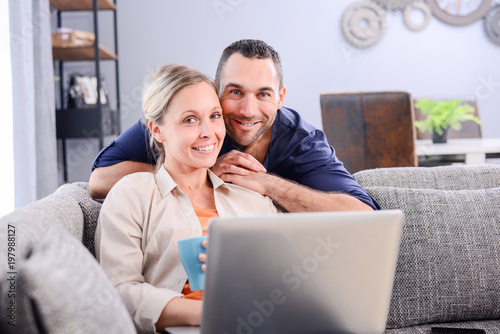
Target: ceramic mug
(189,250)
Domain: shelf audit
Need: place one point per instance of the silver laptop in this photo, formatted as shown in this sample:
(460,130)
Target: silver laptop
(300,273)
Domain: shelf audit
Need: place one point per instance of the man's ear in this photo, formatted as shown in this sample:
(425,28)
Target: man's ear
(281,97)
(156,131)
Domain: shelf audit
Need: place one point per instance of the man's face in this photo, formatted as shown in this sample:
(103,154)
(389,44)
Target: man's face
(250,97)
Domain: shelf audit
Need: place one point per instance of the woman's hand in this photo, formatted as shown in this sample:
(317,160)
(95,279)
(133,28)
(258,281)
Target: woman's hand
(203,256)
(180,312)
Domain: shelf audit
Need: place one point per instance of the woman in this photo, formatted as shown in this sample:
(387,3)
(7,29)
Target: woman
(145,214)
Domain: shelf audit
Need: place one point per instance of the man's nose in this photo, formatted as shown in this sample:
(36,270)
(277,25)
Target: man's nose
(248,106)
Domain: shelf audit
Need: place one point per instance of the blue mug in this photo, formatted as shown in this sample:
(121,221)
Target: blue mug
(189,250)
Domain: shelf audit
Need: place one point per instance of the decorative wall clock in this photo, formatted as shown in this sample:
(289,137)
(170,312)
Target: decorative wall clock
(407,15)
(363,24)
(393,5)
(459,12)
(492,24)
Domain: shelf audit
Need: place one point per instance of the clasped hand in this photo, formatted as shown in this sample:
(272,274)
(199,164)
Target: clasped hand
(241,169)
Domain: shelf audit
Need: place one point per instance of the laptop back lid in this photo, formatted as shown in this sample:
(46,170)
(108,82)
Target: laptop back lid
(301,273)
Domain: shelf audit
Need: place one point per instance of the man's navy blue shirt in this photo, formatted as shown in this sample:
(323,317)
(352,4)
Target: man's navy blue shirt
(298,152)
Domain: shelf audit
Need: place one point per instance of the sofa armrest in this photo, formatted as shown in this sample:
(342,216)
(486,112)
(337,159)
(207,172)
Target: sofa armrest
(59,208)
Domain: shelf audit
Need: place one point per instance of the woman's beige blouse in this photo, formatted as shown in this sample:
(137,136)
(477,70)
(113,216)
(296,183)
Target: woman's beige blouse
(141,220)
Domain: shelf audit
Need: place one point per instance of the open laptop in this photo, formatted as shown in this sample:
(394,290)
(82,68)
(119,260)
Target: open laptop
(300,273)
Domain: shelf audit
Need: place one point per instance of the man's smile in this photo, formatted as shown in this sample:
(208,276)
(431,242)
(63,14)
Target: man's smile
(245,125)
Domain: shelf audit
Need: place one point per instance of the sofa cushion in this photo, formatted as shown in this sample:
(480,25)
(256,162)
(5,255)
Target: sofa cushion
(445,177)
(90,209)
(489,326)
(62,289)
(449,262)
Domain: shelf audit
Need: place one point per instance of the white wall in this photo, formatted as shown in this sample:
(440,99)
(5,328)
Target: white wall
(440,61)
(7,191)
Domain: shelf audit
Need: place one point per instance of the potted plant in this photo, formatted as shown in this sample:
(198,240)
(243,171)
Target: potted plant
(441,115)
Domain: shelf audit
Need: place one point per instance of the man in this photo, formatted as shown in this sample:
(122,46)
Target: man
(268,148)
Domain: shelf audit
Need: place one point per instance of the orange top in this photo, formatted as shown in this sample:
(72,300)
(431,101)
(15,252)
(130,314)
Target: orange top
(204,216)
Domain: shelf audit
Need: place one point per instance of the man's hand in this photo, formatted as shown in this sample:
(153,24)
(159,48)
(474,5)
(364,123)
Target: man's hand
(236,162)
(294,197)
(244,170)
(256,181)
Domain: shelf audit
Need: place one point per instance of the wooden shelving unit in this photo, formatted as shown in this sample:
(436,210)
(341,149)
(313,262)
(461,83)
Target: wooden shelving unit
(82,53)
(98,121)
(69,5)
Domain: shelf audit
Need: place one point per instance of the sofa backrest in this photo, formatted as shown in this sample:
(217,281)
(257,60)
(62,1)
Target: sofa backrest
(34,220)
(445,177)
(449,261)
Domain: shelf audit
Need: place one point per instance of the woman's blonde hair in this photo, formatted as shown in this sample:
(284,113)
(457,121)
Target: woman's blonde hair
(160,89)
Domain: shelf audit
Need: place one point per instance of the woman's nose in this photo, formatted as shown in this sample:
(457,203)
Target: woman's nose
(206,129)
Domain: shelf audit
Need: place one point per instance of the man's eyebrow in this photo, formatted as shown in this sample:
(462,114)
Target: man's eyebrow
(266,88)
(235,85)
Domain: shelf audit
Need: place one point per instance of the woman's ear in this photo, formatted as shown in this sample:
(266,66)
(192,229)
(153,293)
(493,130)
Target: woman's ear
(156,131)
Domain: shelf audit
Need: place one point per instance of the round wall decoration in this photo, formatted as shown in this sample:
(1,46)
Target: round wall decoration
(420,6)
(459,12)
(394,5)
(492,24)
(363,24)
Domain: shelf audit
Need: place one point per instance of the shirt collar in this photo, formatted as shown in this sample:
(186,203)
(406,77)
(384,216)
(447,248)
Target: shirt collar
(166,184)
(216,181)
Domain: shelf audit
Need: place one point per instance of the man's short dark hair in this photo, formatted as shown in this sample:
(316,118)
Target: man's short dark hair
(249,48)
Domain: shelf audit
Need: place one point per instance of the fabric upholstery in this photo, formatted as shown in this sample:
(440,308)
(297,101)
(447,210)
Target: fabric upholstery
(34,220)
(449,262)
(62,289)
(489,326)
(447,178)
(90,209)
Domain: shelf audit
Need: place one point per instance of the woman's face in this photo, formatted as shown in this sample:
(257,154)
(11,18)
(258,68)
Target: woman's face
(193,129)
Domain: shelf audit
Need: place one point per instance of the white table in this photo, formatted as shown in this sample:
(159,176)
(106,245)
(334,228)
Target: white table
(475,149)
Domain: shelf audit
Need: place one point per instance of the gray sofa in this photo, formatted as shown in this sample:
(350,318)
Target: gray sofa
(448,271)
(52,283)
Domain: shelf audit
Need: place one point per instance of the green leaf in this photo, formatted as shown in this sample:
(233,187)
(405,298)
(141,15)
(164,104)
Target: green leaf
(442,114)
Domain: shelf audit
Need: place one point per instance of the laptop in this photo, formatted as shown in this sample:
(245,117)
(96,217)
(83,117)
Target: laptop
(300,273)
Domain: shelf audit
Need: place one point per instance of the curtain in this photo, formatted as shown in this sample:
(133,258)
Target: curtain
(35,147)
